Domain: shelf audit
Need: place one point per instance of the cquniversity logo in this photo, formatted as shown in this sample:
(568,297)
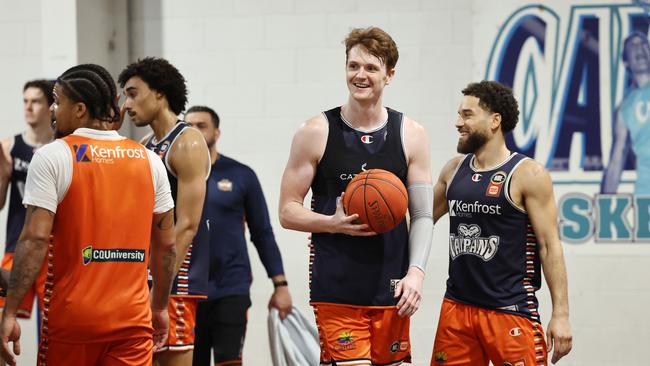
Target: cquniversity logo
(88,255)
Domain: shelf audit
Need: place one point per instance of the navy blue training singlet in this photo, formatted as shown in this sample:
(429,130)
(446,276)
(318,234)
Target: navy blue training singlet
(493,255)
(21,155)
(192,278)
(350,269)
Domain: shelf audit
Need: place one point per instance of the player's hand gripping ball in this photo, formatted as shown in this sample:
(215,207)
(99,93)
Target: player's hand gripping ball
(378,197)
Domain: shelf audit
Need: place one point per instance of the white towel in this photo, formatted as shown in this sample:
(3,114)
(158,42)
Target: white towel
(294,340)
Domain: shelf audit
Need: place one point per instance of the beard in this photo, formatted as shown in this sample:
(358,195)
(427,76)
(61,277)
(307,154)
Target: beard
(472,143)
(57,132)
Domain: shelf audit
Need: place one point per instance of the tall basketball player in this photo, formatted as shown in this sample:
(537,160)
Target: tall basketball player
(15,156)
(364,286)
(503,226)
(80,215)
(155,95)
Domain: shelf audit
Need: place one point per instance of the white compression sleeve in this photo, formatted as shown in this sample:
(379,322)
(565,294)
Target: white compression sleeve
(421,231)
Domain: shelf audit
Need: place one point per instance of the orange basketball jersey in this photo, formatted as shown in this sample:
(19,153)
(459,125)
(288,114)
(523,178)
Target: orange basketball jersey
(96,289)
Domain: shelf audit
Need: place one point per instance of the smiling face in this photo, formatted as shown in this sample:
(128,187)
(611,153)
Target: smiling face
(366,74)
(638,55)
(142,103)
(473,124)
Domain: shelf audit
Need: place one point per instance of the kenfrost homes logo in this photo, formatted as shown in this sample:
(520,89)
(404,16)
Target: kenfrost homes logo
(85,153)
(111,255)
(468,241)
(460,208)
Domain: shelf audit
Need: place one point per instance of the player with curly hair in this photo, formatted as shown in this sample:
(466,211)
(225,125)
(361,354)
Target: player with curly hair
(503,228)
(155,94)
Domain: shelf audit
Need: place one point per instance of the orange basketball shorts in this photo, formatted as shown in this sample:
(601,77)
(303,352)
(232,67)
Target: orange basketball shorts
(37,290)
(124,352)
(182,320)
(470,335)
(361,335)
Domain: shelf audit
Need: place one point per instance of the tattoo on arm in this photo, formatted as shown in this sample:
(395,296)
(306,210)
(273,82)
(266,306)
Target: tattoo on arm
(166,222)
(30,254)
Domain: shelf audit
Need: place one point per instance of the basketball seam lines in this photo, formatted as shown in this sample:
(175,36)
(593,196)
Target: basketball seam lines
(391,183)
(386,202)
(348,198)
(365,207)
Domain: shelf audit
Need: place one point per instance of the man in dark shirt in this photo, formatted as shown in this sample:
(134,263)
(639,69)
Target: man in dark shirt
(234,197)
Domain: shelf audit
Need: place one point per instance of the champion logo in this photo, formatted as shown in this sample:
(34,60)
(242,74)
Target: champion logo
(515,332)
(476,177)
(366,139)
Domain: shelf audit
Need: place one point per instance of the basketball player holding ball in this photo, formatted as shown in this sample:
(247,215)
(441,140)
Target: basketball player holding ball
(364,285)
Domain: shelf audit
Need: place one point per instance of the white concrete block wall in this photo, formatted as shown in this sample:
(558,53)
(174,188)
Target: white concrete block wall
(21,54)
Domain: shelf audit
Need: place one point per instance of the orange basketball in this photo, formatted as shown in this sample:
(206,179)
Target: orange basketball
(378,197)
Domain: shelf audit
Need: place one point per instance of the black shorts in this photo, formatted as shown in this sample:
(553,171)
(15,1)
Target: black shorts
(221,327)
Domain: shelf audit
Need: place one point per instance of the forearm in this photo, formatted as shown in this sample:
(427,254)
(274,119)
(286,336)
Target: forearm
(421,228)
(185,233)
(4,187)
(295,216)
(278,278)
(420,238)
(611,177)
(269,253)
(28,260)
(556,278)
(163,260)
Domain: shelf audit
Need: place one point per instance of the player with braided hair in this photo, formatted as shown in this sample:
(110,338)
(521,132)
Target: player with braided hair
(80,190)
(503,230)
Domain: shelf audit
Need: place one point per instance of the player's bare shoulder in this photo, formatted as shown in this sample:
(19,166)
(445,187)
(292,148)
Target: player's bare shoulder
(531,173)
(315,127)
(187,142)
(189,146)
(530,177)
(310,139)
(414,133)
(6,162)
(448,170)
(7,144)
